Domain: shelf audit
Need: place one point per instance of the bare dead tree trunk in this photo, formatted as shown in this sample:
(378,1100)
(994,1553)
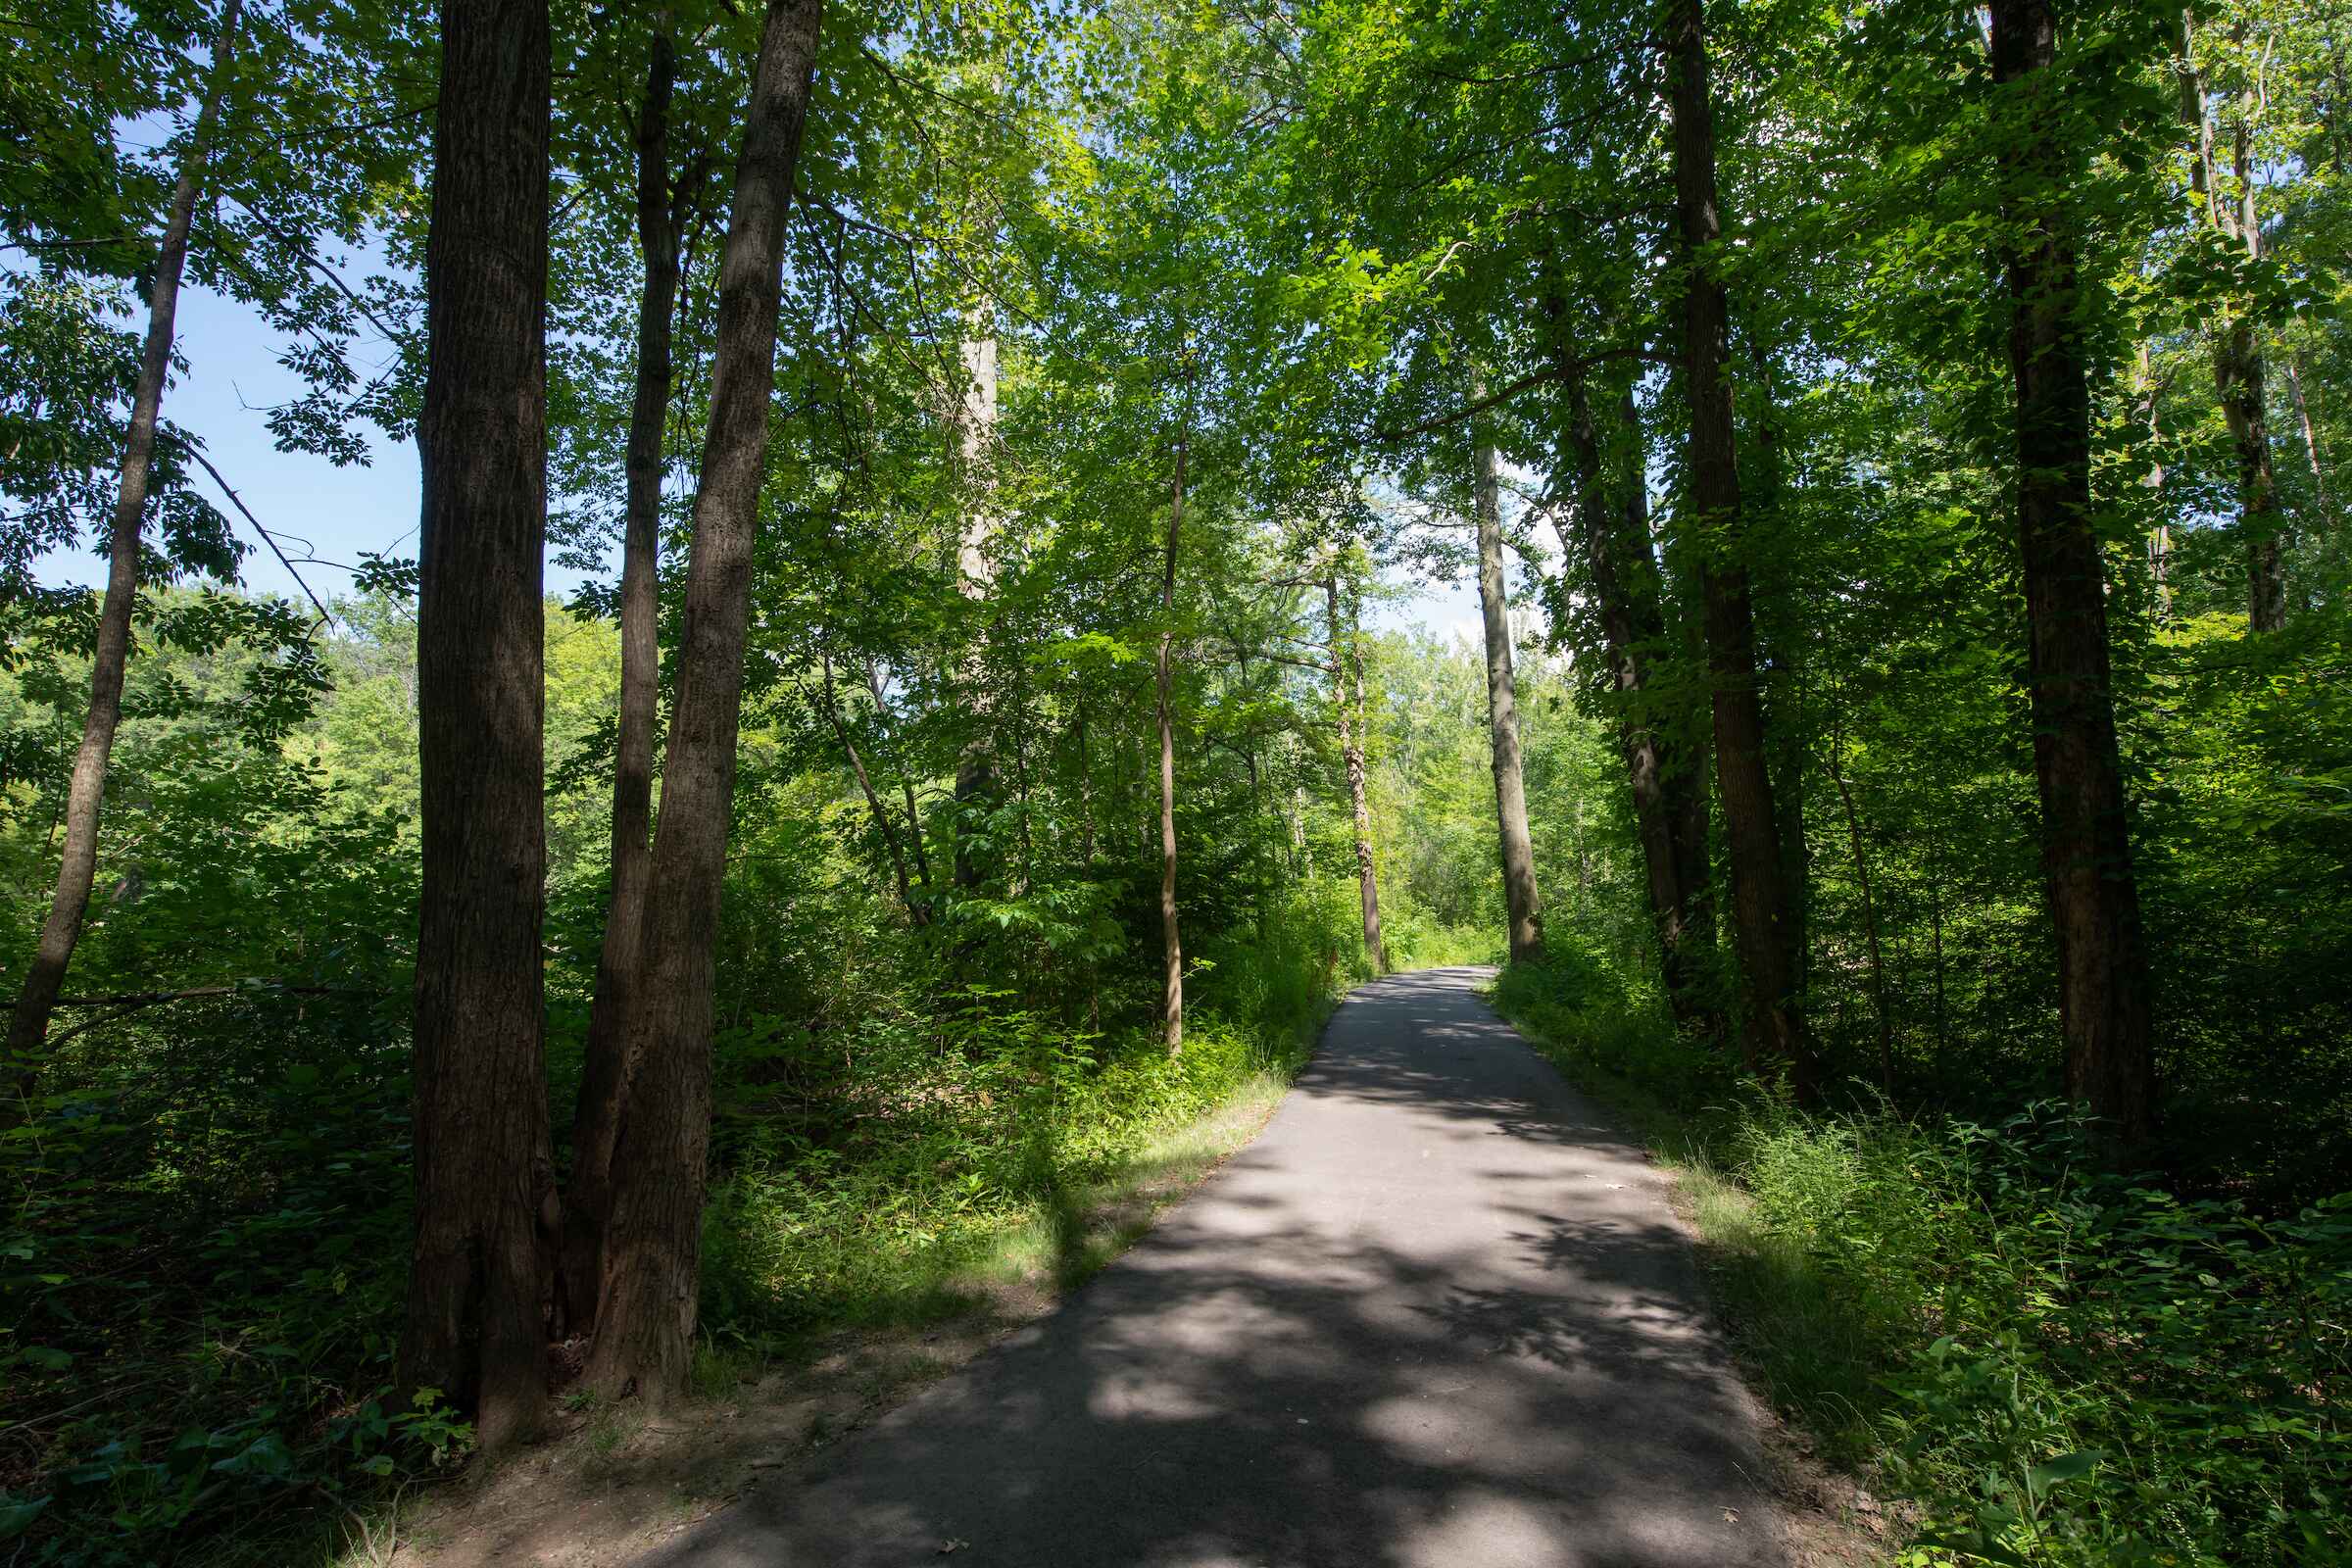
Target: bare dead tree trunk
(85,791)
(2086,846)
(652,1246)
(1171,939)
(605,1076)
(481,1272)
(1763,918)
(1522,900)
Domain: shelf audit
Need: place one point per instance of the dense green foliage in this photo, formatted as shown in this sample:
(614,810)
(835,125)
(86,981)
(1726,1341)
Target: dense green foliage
(1122,334)
(2061,1363)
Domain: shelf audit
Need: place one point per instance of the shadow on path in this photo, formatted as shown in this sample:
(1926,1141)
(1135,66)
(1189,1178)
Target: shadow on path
(1437,1315)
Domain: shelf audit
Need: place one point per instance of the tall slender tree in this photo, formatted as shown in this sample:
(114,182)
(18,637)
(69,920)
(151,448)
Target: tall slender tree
(1171,938)
(653,1244)
(2238,365)
(1350,710)
(1521,899)
(481,1266)
(1611,533)
(2085,839)
(86,791)
(662,210)
(1763,916)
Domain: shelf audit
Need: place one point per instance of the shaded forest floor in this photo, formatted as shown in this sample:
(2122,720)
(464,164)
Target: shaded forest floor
(609,1484)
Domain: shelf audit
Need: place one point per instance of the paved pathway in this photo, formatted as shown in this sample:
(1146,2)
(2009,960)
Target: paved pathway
(1437,1315)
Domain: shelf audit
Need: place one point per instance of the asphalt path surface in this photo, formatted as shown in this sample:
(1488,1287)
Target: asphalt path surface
(1437,1314)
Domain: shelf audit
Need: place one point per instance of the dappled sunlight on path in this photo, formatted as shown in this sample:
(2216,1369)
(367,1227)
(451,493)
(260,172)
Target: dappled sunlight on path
(1437,1314)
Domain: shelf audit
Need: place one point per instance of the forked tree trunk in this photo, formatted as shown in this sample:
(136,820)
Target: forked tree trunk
(1171,941)
(86,791)
(1669,787)
(481,1272)
(1522,903)
(2085,838)
(1763,917)
(604,1077)
(1352,755)
(652,1246)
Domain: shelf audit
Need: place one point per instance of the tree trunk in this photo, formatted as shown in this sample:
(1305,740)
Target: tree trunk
(2311,442)
(2238,372)
(1352,753)
(605,1076)
(1870,914)
(652,1246)
(1762,919)
(481,1271)
(1171,939)
(2237,359)
(45,975)
(1669,790)
(2087,848)
(1520,897)
(917,914)
(975,578)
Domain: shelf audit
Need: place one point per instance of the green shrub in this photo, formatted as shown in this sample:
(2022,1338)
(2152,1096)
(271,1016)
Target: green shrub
(2061,1365)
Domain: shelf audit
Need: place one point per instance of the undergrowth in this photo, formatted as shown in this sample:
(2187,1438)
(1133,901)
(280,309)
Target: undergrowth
(2057,1363)
(202,1276)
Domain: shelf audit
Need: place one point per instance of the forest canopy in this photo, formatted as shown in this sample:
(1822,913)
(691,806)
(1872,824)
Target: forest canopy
(992,453)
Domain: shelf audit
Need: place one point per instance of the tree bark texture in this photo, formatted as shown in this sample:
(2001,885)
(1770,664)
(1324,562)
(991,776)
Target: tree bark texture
(604,1081)
(1521,901)
(1763,919)
(2085,839)
(1669,788)
(652,1246)
(480,1273)
(85,790)
(975,579)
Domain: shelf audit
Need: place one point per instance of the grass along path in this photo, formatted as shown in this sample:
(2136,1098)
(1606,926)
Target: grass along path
(608,1485)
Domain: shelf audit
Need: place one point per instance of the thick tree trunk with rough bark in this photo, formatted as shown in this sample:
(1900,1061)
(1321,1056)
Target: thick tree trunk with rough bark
(85,790)
(481,1271)
(605,1076)
(1171,939)
(1763,918)
(1521,899)
(652,1246)
(2086,837)
(1669,788)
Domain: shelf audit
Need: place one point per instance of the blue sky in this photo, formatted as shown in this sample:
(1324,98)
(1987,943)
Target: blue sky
(233,377)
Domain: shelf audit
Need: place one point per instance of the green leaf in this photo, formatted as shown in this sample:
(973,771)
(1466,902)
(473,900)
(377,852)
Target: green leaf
(2065,1467)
